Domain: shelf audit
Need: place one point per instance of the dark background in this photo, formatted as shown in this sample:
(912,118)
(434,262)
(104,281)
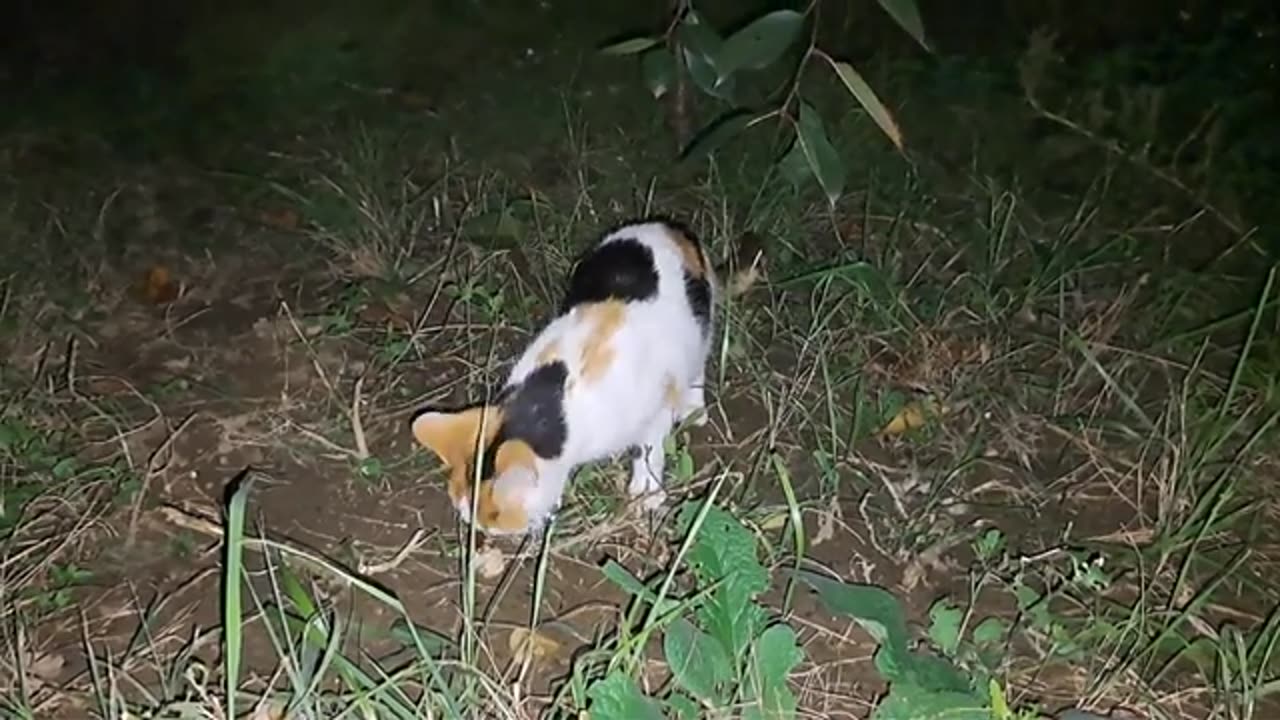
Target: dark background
(151,78)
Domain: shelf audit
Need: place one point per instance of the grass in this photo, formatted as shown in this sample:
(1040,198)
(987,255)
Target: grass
(995,438)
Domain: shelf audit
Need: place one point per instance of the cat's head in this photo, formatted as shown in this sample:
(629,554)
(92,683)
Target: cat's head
(507,500)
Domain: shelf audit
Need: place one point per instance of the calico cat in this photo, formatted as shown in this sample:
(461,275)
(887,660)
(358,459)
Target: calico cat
(620,365)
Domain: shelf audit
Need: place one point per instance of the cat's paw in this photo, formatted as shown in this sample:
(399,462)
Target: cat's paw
(645,487)
(653,500)
(694,411)
(696,417)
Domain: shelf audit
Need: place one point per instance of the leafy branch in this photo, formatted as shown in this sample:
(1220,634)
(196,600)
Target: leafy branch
(691,49)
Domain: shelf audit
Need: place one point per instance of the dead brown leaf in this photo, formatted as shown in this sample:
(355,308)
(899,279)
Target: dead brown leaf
(382,313)
(275,710)
(286,219)
(827,522)
(913,415)
(531,645)
(47,667)
(158,286)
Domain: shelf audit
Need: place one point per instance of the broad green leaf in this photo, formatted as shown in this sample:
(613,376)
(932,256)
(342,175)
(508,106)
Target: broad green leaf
(630,46)
(659,69)
(989,545)
(616,697)
(866,97)
(990,632)
(945,620)
(818,151)
(908,702)
(907,15)
(934,673)
(716,134)
(793,165)
(892,663)
(698,663)
(774,702)
(698,35)
(776,655)
(1034,606)
(703,73)
(872,607)
(65,468)
(701,45)
(623,578)
(725,552)
(1025,595)
(758,44)
(684,706)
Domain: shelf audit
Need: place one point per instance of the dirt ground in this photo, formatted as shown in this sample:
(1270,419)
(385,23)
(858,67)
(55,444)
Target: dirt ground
(221,337)
(252,383)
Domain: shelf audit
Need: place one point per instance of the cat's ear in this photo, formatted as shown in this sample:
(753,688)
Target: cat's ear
(454,436)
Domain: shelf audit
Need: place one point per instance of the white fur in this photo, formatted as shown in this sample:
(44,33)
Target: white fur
(626,407)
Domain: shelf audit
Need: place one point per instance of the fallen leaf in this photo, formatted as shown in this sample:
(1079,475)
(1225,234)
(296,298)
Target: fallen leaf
(827,522)
(158,286)
(382,313)
(490,562)
(913,415)
(270,711)
(776,521)
(528,645)
(286,219)
(47,667)
(920,566)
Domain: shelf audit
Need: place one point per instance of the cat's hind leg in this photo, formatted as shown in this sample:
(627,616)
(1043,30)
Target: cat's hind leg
(649,464)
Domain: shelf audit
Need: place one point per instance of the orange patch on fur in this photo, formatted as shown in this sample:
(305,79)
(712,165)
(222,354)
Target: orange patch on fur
(690,254)
(671,394)
(498,509)
(453,438)
(498,513)
(603,320)
(503,509)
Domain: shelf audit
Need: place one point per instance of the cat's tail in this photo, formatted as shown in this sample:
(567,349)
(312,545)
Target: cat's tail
(745,265)
(735,274)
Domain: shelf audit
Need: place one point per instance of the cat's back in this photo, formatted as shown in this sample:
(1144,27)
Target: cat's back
(635,314)
(657,262)
(632,331)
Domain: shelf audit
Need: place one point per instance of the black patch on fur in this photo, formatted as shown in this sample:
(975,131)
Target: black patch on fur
(621,269)
(533,411)
(698,290)
(667,220)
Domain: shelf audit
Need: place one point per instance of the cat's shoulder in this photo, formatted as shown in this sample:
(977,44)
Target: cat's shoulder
(629,260)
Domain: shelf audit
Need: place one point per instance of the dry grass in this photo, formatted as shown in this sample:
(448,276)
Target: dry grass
(1064,445)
